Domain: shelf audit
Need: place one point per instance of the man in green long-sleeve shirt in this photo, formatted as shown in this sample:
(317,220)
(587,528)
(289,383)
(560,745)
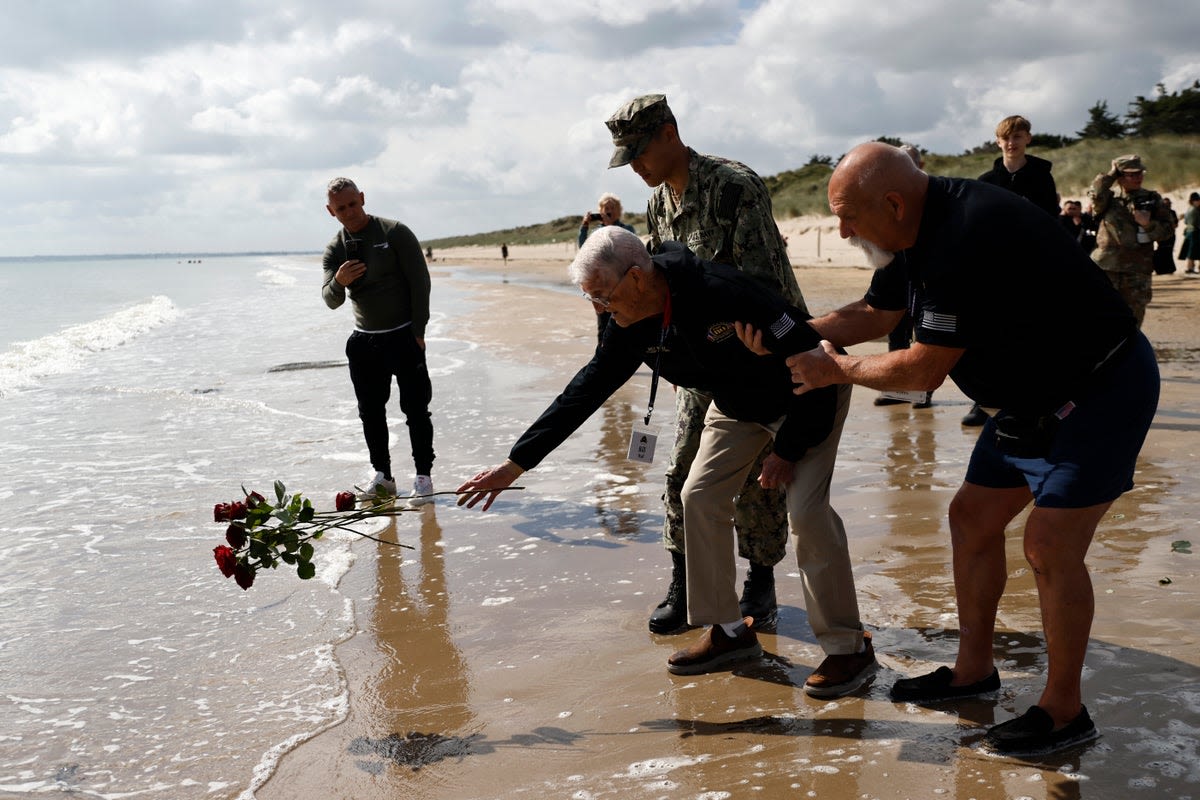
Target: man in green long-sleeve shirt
(379,264)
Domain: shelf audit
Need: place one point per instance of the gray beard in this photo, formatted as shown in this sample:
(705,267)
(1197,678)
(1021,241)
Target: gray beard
(877,257)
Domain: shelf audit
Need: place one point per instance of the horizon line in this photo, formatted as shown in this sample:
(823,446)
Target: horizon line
(208,254)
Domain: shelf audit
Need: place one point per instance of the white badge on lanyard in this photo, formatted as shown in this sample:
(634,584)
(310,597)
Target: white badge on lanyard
(641,444)
(643,439)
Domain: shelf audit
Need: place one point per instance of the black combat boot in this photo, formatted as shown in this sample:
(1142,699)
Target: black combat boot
(758,597)
(671,614)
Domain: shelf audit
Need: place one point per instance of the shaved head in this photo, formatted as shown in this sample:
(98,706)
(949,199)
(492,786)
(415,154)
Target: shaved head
(877,193)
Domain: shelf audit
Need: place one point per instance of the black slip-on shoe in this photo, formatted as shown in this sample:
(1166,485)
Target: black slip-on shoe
(1033,733)
(935,686)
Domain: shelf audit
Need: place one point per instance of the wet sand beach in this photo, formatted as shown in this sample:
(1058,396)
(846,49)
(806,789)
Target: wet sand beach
(508,655)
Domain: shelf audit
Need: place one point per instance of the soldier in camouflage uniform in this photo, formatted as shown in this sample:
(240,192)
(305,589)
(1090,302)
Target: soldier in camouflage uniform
(1129,224)
(721,211)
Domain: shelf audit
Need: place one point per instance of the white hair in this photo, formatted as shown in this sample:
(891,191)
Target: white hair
(608,253)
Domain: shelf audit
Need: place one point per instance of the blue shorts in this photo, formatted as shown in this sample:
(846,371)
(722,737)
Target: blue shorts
(1095,448)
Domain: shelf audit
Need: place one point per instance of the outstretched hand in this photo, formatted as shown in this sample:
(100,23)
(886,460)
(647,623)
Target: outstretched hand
(489,484)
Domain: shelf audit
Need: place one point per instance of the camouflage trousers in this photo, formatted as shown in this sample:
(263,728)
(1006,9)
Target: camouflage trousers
(1134,288)
(760,515)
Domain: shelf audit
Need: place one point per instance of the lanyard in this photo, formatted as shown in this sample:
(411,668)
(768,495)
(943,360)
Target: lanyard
(662,338)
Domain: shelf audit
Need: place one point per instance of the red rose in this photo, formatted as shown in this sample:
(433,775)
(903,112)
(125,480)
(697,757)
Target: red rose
(221,512)
(235,534)
(344,501)
(237,510)
(254,499)
(226,560)
(244,575)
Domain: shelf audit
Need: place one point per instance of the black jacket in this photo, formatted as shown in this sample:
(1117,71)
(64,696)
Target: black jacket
(1032,181)
(700,350)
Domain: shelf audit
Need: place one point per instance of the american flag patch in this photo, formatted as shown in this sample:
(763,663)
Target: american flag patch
(947,323)
(782,326)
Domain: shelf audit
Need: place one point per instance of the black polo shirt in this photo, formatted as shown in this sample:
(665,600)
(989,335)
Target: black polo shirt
(998,277)
(699,349)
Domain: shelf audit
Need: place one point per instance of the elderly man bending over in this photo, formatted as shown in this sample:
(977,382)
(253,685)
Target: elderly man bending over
(675,314)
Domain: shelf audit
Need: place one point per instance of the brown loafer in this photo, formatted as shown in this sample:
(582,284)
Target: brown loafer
(715,649)
(841,674)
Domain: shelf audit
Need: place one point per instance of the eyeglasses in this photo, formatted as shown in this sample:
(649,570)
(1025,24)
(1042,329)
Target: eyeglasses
(605,302)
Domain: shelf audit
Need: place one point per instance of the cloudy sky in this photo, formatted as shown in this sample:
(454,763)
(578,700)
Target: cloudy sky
(213,125)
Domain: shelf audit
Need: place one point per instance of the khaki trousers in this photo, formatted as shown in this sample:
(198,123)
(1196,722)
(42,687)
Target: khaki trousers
(728,448)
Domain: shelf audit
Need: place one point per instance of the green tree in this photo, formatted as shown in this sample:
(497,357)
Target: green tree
(817,159)
(1177,112)
(1102,124)
(1050,141)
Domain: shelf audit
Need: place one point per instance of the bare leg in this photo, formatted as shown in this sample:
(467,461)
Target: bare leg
(978,517)
(1056,543)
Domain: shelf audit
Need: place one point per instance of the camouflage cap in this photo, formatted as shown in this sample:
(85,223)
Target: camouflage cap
(1130,163)
(634,125)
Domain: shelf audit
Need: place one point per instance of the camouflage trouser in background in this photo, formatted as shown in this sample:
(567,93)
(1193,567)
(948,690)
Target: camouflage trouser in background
(760,515)
(1134,288)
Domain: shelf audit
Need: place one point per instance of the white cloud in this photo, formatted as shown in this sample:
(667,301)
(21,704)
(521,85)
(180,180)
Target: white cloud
(128,126)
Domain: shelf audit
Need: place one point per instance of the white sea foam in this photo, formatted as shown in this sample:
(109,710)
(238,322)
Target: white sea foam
(273,277)
(26,362)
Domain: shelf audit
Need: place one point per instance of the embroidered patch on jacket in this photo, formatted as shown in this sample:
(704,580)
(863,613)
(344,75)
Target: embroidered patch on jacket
(783,326)
(720,332)
(948,323)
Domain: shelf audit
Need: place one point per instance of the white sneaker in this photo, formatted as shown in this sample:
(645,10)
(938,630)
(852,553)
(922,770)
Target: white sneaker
(422,493)
(379,487)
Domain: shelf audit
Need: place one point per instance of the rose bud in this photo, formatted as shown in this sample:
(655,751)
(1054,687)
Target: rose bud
(221,512)
(254,499)
(244,576)
(344,501)
(235,534)
(237,510)
(226,560)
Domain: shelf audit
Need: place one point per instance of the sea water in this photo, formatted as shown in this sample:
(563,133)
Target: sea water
(134,394)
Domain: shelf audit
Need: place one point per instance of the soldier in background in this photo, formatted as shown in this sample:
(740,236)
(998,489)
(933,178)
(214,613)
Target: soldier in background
(721,211)
(1129,224)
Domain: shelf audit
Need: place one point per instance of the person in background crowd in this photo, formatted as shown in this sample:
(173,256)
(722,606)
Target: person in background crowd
(1024,174)
(608,213)
(1164,249)
(1128,225)
(1190,249)
(1079,225)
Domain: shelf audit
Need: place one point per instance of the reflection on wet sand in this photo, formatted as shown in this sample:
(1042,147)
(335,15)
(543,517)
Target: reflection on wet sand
(618,508)
(421,696)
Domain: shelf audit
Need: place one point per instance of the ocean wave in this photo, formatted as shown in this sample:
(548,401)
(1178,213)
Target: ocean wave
(275,277)
(24,363)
